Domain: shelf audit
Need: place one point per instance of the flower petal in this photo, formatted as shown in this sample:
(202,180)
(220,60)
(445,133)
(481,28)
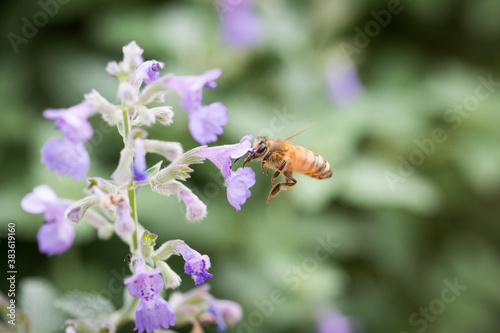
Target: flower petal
(148,71)
(139,165)
(238,187)
(196,264)
(36,202)
(241,26)
(221,155)
(152,315)
(55,237)
(72,122)
(66,157)
(190,87)
(206,123)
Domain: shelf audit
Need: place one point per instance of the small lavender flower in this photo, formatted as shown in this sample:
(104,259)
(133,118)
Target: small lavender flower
(132,58)
(190,87)
(139,165)
(221,155)
(195,208)
(238,185)
(148,71)
(241,27)
(239,182)
(343,82)
(66,157)
(56,235)
(153,311)
(331,321)
(196,264)
(206,122)
(225,313)
(72,122)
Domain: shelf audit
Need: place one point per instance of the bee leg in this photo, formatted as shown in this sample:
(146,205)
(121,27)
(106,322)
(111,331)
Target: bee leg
(278,172)
(290,181)
(264,160)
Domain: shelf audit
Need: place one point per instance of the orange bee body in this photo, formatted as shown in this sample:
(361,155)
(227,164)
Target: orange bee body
(286,158)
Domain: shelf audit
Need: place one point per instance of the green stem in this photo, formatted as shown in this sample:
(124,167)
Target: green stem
(126,125)
(131,189)
(133,213)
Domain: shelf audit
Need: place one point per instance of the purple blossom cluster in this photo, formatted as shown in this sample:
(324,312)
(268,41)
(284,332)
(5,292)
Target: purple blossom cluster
(140,85)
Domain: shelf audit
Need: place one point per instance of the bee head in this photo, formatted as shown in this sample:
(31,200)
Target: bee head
(259,149)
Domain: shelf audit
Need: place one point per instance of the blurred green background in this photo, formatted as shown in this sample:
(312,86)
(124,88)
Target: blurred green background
(401,229)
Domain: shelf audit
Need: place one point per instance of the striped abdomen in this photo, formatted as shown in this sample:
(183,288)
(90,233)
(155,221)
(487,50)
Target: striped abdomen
(309,163)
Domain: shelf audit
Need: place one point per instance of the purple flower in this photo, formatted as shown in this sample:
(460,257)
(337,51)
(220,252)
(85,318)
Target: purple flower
(72,122)
(153,311)
(190,87)
(206,122)
(225,313)
(148,71)
(331,321)
(56,235)
(66,157)
(195,208)
(221,155)
(241,27)
(238,187)
(139,164)
(196,264)
(239,182)
(343,82)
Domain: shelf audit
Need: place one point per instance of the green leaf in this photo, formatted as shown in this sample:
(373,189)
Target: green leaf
(190,157)
(151,172)
(37,297)
(173,171)
(149,239)
(89,306)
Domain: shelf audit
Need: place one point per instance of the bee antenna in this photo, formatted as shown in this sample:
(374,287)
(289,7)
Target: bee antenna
(306,128)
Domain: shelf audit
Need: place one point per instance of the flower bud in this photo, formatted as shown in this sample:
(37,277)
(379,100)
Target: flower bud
(75,212)
(163,114)
(195,208)
(110,113)
(153,92)
(170,278)
(171,150)
(102,184)
(148,243)
(127,94)
(146,116)
(168,249)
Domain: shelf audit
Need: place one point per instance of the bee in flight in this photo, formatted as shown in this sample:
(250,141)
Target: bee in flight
(286,159)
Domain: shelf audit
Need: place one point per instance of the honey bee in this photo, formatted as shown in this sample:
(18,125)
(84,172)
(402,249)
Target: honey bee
(286,158)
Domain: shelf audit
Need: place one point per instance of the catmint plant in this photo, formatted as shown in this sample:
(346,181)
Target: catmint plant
(140,85)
